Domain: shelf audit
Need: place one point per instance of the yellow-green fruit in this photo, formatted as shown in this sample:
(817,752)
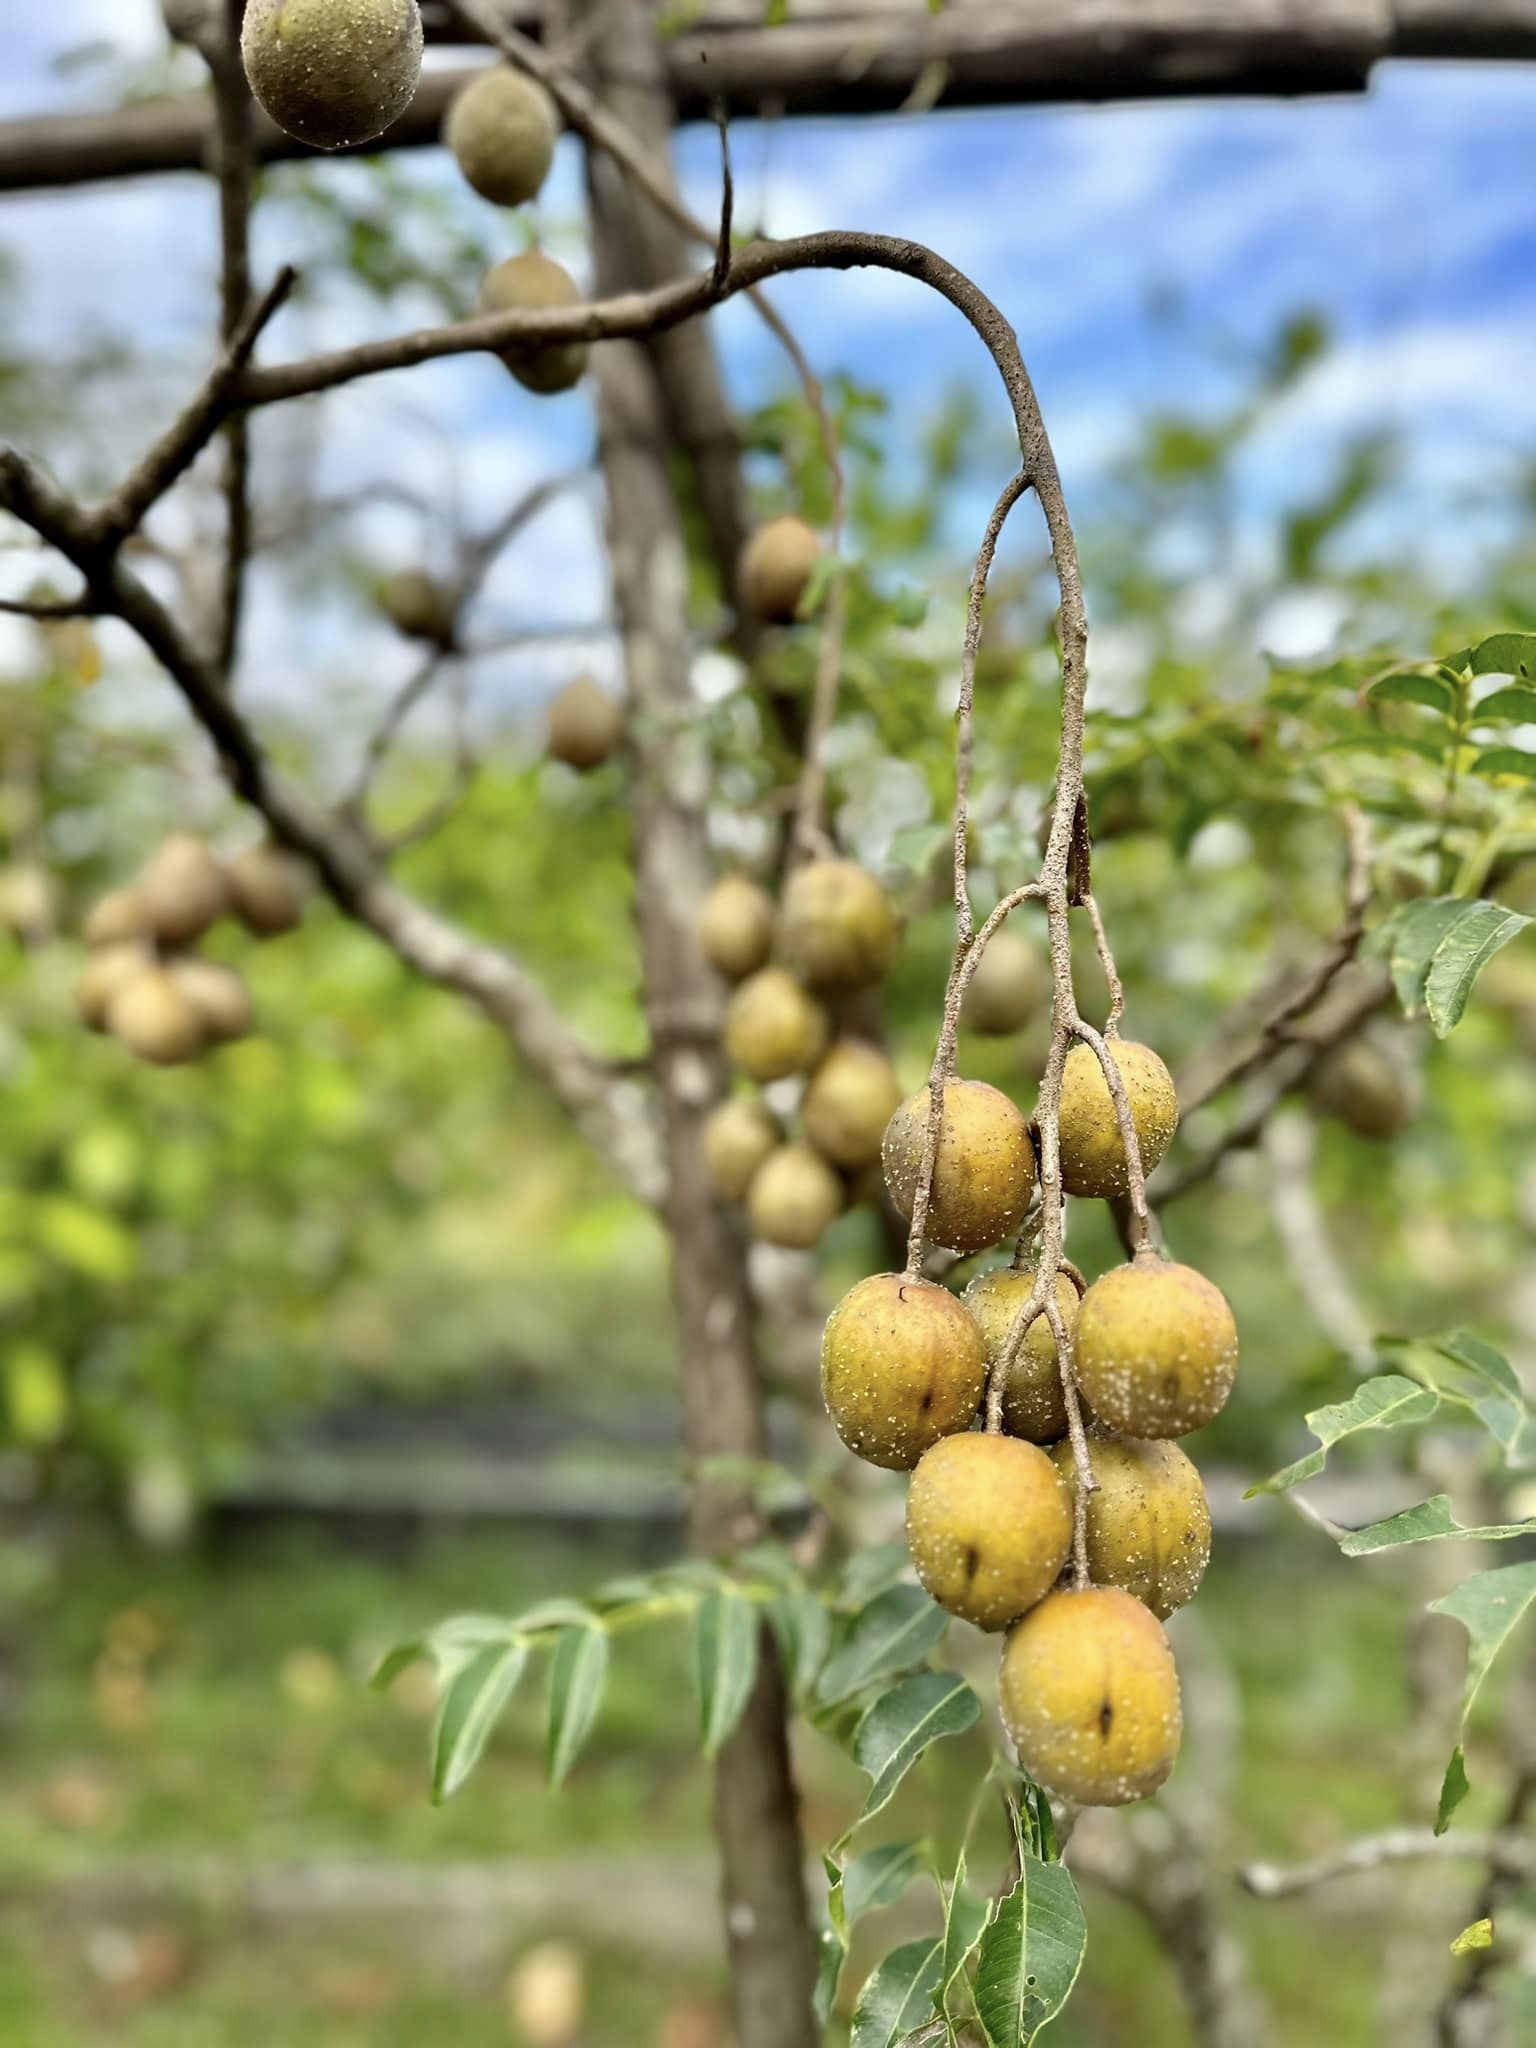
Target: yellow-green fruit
(1365,1088)
(1033,1404)
(1092,1153)
(110,968)
(333,73)
(116,917)
(530,283)
(418,606)
(27,902)
(1090,1697)
(501,131)
(776,567)
(849,1100)
(901,1366)
(773,1027)
(218,995)
(154,1019)
(989,1525)
(984,1171)
(266,891)
(585,724)
(735,927)
(1149,1524)
(739,1135)
(837,927)
(1011,985)
(182,890)
(793,1197)
(1156,1349)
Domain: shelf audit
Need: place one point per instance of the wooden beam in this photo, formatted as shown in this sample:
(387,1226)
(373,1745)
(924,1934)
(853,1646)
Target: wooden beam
(867,56)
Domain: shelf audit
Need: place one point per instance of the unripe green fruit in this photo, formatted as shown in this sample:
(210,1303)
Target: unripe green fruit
(989,1526)
(901,1366)
(837,927)
(1090,1697)
(117,917)
(849,1100)
(1034,1406)
(984,1170)
(585,724)
(773,1027)
(1156,1349)
(735,927)
(219,997)
(501,131)
(530,283)
(110,968)
(1365,1088)
(266,891)
(182,890)
(152,1017)
(739,1135)
(333,73)
(776,567)
(418,606)
(1149,1524)
(793,1197)
(1010,987)
(1092,1153)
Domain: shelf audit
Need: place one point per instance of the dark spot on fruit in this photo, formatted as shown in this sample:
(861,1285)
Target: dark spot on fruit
(972,1561)
(1106,1720)
(926,1402)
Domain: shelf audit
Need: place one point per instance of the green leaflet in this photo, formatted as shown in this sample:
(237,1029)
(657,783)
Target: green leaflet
(903,1722)
(1030,1954)
(1490,1606)
(1387,1402)
(1431,1521)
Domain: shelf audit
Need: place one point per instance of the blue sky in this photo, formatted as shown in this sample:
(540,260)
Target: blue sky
(1409,214)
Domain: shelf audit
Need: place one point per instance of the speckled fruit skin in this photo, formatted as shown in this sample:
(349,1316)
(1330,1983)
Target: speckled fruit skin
(984,1172)
(333,73)
(793,1197)
(738,1137)
(1092,1155)
(1011,985)
(501,132)
(989,1525)
(773,1027)
(848,1103)
(529,283)
(1149,1524)
(775,567)
(1156,1349)
(1090,1696)
(837,928)
(585,724)
(901,1366)
(1033,1405)
(735,927)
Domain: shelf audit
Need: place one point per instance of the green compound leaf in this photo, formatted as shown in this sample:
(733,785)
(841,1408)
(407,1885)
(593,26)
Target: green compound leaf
(1387,1402)
(1430,1522)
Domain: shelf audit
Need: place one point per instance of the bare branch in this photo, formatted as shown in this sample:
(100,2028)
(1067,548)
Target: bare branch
(1512,1853)
(233,163)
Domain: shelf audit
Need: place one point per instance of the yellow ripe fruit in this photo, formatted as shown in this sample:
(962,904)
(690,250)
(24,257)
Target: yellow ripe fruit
(1090,1697)
(585,724)
(530,283)
(27,902)
(1011,986)
(849,1100)
(739,1135)
(735,927)
(984,1171)
(837,927)
(901,1366)
(109,968)
(153,1018)
(1365,1088)
(501,132)
(118,916)
(989,1525)
(218,995)
(1092,1154)
(773,1027)
(775,568)
(1149,1524)
(333,73)
(417,605)
(182,890)
(266,891)
(1033,1404)
(1156,1348)
(793,1197)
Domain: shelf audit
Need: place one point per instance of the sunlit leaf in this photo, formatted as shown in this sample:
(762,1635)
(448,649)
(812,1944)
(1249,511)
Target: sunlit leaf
(1505,761)
(1471,1939)
(1514,705)
(472,1701)
(1505,654)
(1429,690)
(1430,1522)
(1460,955)
(578,1671)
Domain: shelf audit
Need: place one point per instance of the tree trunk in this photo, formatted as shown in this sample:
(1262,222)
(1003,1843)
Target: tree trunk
(756,1817)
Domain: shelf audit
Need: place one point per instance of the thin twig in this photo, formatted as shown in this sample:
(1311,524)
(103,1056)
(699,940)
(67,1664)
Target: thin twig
(1513,1853)
(233,163)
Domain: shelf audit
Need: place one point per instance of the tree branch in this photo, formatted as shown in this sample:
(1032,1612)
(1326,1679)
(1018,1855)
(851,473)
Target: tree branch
(1512,1854)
